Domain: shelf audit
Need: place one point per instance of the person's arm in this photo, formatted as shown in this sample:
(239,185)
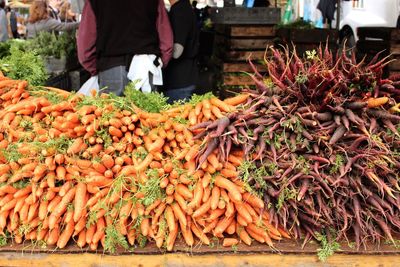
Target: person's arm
(3,32)
(10,35)
(86,40)
(178,50)
(62,26)
(165,34)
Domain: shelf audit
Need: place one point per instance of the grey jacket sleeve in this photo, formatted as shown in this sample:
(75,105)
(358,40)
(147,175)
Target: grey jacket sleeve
(3,26)
(55,25)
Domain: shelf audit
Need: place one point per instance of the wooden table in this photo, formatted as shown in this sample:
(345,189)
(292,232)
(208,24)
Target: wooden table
(286,253)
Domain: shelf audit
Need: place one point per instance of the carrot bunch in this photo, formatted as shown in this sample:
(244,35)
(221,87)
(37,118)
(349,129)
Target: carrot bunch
(80,169)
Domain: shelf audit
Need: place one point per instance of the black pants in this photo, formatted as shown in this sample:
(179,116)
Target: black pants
(15,34)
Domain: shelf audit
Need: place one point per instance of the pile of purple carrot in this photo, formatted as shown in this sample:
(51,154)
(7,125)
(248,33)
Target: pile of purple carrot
(322,140)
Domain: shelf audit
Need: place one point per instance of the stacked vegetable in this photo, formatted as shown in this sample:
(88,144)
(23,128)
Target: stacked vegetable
(98,170)
(322,141)
(312,152)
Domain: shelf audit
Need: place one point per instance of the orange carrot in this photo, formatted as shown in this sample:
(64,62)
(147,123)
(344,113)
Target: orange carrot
(222,225)
(197,197)
(377,102)
(79,202)
(202,236)
(253,200)
(187,235)
(236,100)
(179,214)
(206,194)
(231,228)
(229,173)
(230,187)
(243,212)
(229,242)
(184,191)
(81,242)
(170,240)
(53,236)
(170,218)
(90,233)
(61,207)
(133,169)
(76,146)
(244,236)
(66,235)
(202,210)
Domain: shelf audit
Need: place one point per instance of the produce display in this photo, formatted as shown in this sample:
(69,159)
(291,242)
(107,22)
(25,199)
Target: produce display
(313,152)
(98,170)
(322,144)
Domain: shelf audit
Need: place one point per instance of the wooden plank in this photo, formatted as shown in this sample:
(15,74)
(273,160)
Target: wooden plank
(244,55)
(370,46)
(239,67)
(232,80)
(383,33)
(395,35)
(284,246)
(250,43)
(244,31)
(395,65)
(314,36)
(243,15)
(186,259)
(395,49)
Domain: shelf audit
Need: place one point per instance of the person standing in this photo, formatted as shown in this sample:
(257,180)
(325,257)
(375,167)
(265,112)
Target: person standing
(66,14)
(113,33)
(39,20)
(3,22)
(182,72)
(12,19)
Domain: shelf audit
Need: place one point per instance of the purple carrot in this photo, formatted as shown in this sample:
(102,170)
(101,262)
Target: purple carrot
(352,117)
(339,133)
(200,135)
(338,120)
(303,189)
(356,105)
(223,123)
(357,209)
(211,145)
(254,68)
(346,122)
(307,135)
(326,116)
(317,158)
(200,125)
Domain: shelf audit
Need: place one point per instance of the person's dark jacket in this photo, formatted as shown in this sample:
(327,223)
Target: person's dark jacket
(124,29)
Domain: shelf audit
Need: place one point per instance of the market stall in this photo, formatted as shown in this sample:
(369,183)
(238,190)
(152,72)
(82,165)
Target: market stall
(304,161)
(270,169)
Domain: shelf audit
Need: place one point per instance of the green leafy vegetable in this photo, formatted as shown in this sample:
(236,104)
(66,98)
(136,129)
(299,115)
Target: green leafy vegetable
(151,102)
(327,248)
(114,239)
(151,190)
(24,65)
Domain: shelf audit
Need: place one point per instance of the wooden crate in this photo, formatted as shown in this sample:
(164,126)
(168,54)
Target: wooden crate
(394,67)
(308,39)
(374,40)
(248,16)
(237,44)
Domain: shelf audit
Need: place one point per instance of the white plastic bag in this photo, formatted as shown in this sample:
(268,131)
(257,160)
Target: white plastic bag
(89,86)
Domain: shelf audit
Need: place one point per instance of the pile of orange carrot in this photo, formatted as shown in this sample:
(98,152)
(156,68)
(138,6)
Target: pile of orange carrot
(77,169)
